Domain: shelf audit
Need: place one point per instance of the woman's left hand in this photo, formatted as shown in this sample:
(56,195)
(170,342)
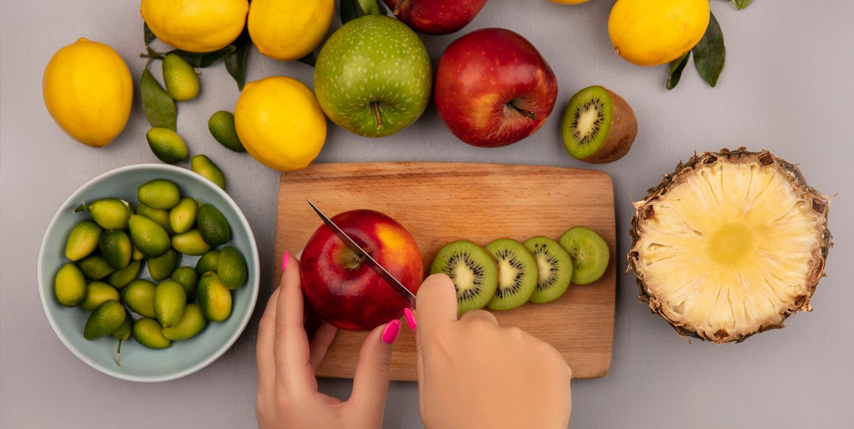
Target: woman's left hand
(286,358)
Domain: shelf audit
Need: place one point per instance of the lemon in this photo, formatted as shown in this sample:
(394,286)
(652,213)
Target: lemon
(570,1)
(289,29)
(88,91)
(195,25)
(280,123)
(649,33)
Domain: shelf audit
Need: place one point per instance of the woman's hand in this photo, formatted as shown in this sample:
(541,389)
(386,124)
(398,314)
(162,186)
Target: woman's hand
(473,373)
(287,359)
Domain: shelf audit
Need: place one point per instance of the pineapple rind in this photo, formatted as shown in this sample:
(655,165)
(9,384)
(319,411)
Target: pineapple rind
(730,329)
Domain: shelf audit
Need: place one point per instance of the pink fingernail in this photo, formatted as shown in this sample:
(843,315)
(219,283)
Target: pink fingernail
(391,331)
(285,259)
(410,319)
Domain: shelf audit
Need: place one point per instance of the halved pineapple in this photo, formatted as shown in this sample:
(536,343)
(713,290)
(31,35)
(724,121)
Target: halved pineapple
(730,244)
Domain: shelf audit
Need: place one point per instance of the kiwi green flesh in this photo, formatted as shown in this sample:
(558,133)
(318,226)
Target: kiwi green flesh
(554,268)
(473,271)
(589,252)
(587,121)
(517,274)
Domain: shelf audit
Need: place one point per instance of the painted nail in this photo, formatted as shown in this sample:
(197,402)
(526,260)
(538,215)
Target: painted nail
(410,319)
(285,259)
(391,331)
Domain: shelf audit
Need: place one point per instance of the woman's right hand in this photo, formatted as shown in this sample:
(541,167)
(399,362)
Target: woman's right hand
(473,373)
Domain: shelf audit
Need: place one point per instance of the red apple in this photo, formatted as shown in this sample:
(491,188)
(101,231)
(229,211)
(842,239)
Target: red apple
(346,292)
(435,16)
(493,88)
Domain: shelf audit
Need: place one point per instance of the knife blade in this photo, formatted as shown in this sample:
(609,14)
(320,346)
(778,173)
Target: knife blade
(361,253)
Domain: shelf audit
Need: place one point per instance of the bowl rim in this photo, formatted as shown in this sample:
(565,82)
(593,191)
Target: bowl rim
(253,298)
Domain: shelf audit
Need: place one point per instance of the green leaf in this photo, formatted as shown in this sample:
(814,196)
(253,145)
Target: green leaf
(741,4)
(710,53)
(352,9)
(373,7)
(159,107)
(147,35)
(206,59)
(235,62)
(676,68)
(309,59)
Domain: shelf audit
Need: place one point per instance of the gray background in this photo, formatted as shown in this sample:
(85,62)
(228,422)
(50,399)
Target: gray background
(787,87)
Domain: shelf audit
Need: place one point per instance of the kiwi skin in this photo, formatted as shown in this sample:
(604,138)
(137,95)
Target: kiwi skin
(624,130)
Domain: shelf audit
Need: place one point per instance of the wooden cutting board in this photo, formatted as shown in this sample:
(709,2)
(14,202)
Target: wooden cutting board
(442,202)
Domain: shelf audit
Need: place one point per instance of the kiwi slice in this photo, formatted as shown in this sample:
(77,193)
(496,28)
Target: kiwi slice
(598,125)
(554,268)
(517,274)
(473,271)
(589,252)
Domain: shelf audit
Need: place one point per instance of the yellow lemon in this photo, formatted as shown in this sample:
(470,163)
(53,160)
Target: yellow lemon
(570,1)
(280,123)
(88,91)
(649,33)
(195,25)
(289,29)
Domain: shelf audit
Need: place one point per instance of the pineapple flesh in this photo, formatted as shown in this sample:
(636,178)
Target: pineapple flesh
(730,244)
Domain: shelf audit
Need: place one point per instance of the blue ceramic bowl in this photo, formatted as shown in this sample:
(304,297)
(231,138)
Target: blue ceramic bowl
(139,363)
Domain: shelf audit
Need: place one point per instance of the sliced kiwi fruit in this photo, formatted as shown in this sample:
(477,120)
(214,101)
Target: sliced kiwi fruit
(598,125)
(554,268)
(589,252)
(473,271)
(517,274)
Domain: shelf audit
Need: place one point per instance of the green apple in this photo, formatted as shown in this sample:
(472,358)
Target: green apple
(373,76)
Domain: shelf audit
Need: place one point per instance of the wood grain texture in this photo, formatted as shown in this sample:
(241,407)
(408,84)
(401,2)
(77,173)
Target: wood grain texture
(442,202)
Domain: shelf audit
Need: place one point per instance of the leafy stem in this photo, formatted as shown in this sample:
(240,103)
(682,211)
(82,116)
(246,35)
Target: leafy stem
(151,54)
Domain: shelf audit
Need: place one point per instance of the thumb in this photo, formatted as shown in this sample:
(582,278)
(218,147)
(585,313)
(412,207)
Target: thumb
(370,381)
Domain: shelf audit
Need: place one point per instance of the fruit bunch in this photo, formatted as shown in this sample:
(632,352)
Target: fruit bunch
(182,84)
(372,76)
(506,274)
(107,253)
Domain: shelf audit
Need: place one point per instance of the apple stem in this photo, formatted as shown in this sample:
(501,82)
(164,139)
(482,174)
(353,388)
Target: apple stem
(376,106)
(524,112)
(399,6)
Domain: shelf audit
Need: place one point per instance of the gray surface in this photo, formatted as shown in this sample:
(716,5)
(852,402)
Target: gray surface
(787,87)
